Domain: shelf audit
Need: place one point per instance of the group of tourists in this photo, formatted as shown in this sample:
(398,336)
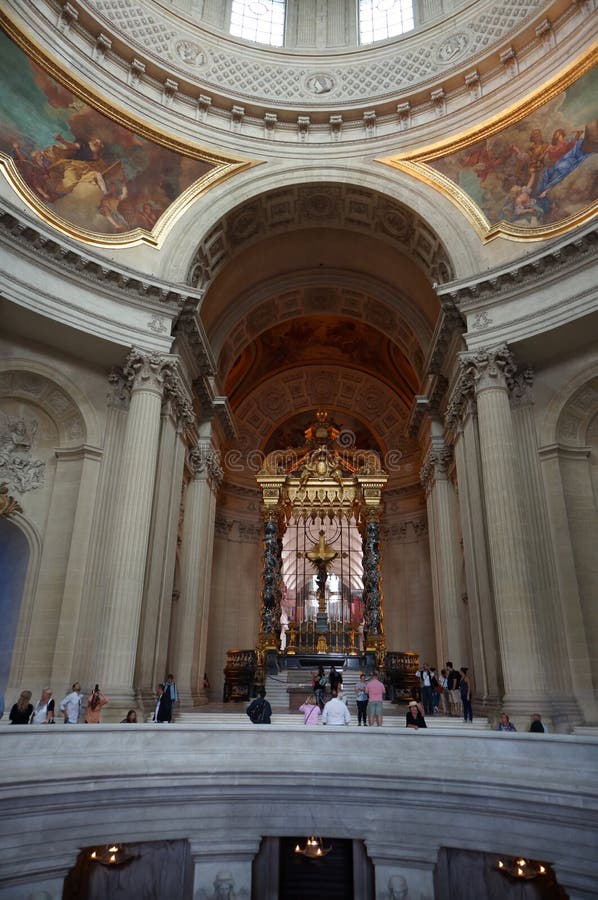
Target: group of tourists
(449,692)
(23,712)
(369,696)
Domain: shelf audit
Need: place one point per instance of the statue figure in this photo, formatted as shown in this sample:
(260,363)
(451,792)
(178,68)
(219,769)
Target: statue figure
(284,627)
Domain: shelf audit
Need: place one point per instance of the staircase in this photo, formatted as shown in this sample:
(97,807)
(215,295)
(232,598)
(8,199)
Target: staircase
(277,694)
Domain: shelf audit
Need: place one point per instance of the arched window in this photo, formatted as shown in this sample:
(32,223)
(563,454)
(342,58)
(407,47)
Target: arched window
(381,19)
(258,20)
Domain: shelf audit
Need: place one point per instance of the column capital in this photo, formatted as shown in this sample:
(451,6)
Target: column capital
(435,464)
(119,391)
(490,367)
(204,463)
(147,371)
(461,399)
(175,390)
(521,387)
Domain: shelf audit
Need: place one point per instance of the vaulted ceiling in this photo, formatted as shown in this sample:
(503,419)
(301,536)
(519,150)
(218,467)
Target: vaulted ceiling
(321,296)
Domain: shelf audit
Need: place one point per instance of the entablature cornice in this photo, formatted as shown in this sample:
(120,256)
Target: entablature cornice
(504,282)
(545,290)
(48,251)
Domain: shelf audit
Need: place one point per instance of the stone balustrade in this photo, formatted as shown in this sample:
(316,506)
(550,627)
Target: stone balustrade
(68,787)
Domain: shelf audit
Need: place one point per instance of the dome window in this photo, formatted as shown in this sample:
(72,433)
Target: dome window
(382,19)
(261,21)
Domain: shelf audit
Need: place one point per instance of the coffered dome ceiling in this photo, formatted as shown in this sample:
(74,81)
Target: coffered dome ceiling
(321,296)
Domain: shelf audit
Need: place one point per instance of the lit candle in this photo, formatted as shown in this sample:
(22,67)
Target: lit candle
(113,858)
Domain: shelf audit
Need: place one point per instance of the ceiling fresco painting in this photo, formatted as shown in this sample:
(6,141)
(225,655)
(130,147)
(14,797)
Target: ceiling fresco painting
(532,175)
(317,341)
(90,171)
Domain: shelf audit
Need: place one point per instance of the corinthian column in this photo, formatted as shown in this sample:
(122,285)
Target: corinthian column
(522,668)
(444,550)
(126,560)
(188,648)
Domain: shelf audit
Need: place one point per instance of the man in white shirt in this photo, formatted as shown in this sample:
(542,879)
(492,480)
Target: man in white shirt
(336,712)
(71,705)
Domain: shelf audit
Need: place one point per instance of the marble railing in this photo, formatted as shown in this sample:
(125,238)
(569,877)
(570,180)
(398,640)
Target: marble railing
(223,787)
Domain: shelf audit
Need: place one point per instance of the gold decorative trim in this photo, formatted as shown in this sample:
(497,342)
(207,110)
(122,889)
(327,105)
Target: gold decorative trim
(415,163)
(225,166)
(8,505)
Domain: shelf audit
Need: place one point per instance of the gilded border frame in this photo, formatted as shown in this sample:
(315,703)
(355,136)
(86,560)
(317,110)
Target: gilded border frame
(224,166)
(415,164)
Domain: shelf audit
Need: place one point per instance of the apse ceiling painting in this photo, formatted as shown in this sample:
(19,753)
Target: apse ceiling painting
(316,341)
(537,175)
(84,171)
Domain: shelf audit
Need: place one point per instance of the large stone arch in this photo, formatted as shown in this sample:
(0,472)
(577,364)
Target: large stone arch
(202,223)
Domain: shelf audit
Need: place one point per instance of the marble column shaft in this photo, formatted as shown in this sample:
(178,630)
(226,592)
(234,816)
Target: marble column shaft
(115,660)
(445,555)
(484,642)
(152,648)
(523,671)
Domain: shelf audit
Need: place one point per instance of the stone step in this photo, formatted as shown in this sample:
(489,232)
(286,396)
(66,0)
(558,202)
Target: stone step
(289,718)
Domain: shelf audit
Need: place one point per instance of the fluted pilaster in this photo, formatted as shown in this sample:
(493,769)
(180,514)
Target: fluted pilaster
(523,671)
(190,638)
(444,551)
(541,557)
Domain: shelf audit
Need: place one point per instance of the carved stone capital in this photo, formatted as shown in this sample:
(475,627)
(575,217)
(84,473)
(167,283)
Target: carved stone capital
(435,464)
(521,387)
(460,399)
(119,391)
(147,371)
(204,463)
(490,367)
(176,392)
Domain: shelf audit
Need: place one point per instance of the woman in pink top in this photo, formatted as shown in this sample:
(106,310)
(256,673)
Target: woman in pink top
(95,702)
(311,711)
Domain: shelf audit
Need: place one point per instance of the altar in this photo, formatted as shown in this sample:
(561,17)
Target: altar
(321,593)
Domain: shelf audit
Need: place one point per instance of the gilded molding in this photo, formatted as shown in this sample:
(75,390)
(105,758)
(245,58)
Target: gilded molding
(224,166)
(8,505)
(416,164)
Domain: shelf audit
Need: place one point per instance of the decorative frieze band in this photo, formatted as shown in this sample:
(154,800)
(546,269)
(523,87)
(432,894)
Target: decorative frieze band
(407,531)
(565,254)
